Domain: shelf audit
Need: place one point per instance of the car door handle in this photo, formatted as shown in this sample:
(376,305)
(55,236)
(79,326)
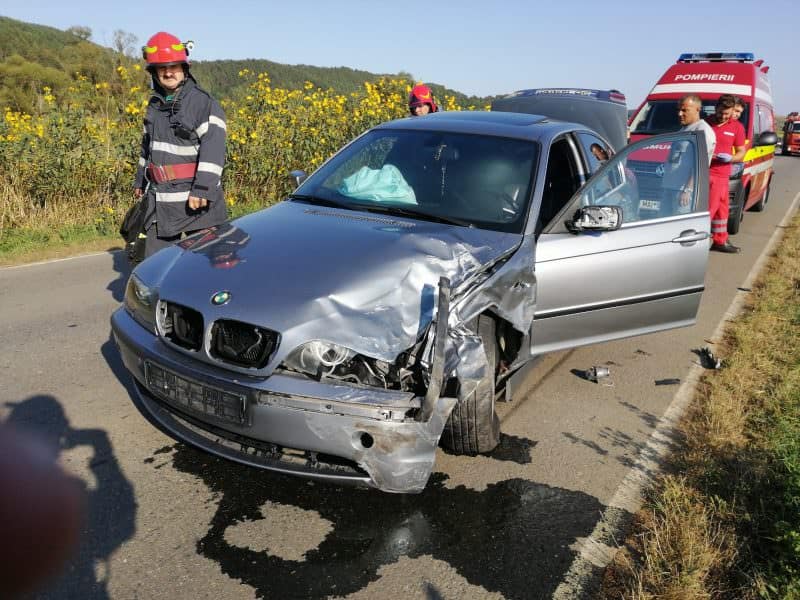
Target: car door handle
(690,236)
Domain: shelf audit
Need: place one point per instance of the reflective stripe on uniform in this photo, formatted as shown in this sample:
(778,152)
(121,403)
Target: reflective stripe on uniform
(212,120)
(175,149)
(172,196)
(209,167)
(719,225)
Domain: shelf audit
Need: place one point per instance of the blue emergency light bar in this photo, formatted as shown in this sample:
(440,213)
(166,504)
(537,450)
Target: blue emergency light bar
(713,56)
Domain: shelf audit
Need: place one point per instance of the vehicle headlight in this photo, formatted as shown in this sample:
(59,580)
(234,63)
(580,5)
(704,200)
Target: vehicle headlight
(736,170)
(320,359)
(140,302)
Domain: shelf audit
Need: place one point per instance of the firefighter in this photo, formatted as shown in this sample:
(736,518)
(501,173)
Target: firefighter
(183,148)
(420,101)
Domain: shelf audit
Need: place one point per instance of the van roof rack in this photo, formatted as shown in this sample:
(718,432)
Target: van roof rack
(716,56)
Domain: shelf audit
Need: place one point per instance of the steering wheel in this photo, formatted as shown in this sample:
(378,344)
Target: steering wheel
(486,205)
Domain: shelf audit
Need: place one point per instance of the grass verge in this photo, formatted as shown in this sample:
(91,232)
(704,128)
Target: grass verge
(724,519)
(61,233)
(22,246)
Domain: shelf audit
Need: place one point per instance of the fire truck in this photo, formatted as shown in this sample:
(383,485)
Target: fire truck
(791,134)
(709,75)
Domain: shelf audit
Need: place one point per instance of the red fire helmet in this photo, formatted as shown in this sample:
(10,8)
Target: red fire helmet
(421,94)
(164,49)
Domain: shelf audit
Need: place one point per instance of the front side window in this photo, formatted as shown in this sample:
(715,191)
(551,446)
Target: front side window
(596,151)
(649,182)
(476,180)
(765,118)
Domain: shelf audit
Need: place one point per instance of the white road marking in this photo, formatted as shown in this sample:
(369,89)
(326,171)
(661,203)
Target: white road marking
(57,260)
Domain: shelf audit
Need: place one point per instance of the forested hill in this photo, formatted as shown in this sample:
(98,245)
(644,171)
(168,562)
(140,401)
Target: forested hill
(221,77)
(34,56)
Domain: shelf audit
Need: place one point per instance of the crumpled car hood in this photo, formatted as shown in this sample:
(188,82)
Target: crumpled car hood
(366,281)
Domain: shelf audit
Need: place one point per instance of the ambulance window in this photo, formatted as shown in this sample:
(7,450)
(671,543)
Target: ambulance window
(656,116)
(765,122)
(758,123)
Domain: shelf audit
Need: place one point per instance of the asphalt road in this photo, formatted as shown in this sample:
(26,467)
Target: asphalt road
(167,520)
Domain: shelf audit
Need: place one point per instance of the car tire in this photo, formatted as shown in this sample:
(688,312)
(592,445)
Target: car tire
(762,203)
(735,218)
(473,427)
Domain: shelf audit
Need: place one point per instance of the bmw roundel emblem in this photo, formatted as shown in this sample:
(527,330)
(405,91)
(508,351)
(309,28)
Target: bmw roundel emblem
(221,298)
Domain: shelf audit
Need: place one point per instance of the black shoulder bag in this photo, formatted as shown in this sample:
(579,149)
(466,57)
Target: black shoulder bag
(131,228)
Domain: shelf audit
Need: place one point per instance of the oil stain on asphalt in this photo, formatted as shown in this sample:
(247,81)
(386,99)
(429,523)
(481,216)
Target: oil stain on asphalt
(514,537)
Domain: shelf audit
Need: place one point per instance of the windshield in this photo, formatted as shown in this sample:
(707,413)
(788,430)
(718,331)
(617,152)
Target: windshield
(661,116)
(471,180)
(795,128)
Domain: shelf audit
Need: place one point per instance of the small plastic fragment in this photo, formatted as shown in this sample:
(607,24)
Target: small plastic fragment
(597,373)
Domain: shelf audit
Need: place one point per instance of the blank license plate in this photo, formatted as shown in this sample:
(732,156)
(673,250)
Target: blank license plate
(195,397)
(649,204)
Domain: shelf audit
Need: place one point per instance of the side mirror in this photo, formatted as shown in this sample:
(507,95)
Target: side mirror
(767,138)
(595,218)
(298,176)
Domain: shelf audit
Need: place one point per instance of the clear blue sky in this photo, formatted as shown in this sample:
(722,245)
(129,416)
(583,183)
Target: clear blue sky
(477,47)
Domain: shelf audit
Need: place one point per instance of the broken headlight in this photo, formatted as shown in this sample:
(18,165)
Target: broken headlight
(140,302)
(326,360)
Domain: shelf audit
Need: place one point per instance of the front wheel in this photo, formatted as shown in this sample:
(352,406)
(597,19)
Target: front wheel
(473,427)
(762,204)
(737,212)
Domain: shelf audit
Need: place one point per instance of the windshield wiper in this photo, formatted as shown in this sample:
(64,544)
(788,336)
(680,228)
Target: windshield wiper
(412,212)
(319,201)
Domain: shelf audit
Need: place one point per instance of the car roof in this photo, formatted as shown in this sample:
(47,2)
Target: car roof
(503,124)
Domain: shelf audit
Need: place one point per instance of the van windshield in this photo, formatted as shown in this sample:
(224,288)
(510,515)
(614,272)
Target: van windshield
(661,116)
(795,128)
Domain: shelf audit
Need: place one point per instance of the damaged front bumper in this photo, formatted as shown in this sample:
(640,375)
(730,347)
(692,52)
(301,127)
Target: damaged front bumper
(330,432)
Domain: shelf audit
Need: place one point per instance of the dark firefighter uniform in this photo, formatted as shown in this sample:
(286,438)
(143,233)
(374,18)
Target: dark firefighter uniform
(182,155)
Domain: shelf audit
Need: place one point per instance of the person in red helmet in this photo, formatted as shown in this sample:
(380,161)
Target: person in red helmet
(183,149)
(420,101)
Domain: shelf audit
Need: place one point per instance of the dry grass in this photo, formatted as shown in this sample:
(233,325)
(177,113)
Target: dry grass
(702,531)
(62,250)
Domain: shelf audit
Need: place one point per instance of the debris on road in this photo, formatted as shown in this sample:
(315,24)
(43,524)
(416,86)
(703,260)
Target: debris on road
(708,359)
(598,373)
(668,381)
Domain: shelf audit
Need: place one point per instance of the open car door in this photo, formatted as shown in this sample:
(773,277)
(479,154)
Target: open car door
(598,280)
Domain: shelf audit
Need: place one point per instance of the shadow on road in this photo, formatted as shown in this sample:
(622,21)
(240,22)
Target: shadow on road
(113,359)
(513,538)
(111,505)
(122,266)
